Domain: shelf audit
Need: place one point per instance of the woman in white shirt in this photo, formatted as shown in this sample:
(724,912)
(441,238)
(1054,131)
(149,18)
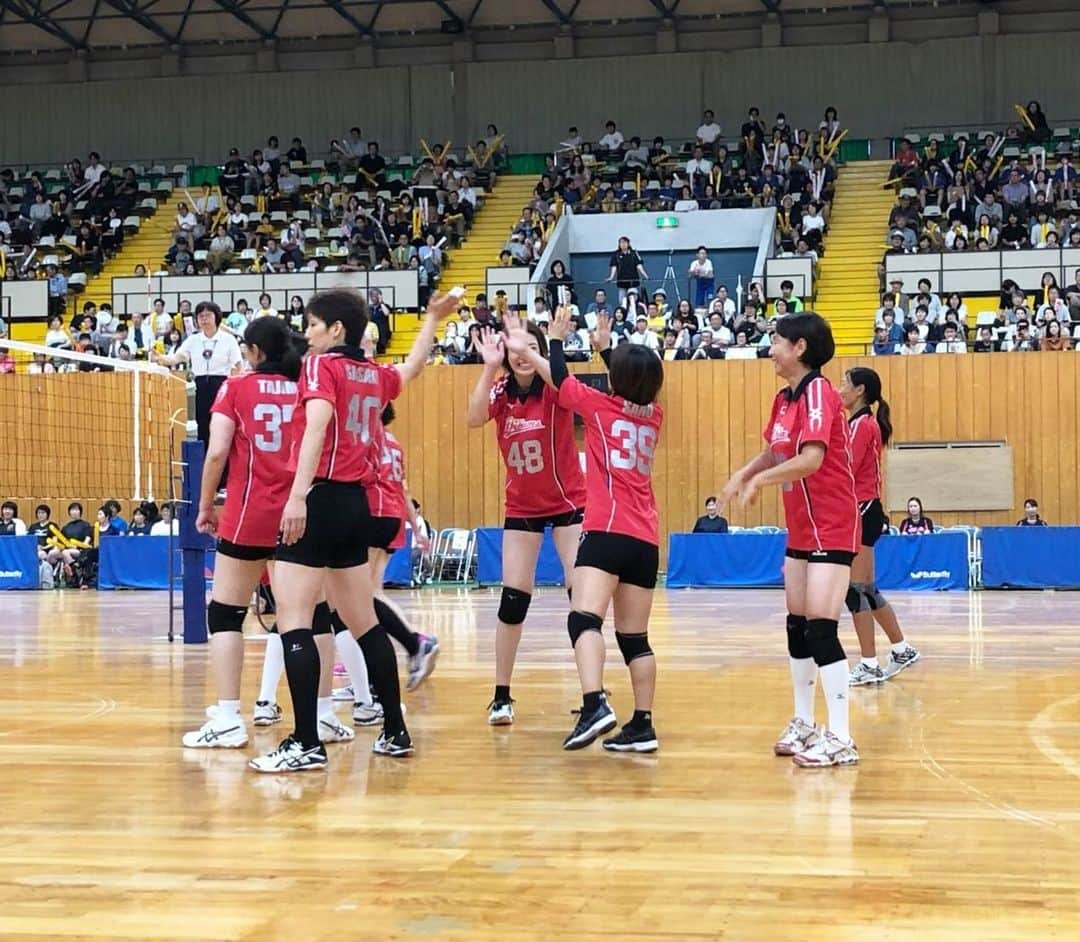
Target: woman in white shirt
(701,270)
(212,354)
(266,309)
(57,335)
(912,345)
(686,202)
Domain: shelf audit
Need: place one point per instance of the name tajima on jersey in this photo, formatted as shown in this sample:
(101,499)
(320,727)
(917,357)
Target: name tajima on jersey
(261,406)
(620,443)
(359,391)
(820,510)
(536,438)
(864,435)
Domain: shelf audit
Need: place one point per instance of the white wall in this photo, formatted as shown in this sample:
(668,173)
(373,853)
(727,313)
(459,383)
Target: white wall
(26,300)
(715,228)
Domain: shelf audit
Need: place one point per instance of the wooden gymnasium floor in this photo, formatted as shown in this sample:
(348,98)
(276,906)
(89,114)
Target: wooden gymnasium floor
(962,823)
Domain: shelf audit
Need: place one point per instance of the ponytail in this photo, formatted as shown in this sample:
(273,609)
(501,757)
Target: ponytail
(283,349)
(884,420)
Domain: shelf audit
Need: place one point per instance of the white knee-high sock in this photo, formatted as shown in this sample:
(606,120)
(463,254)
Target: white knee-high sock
(273,668)
(804,684)
(353,659)
(834,681)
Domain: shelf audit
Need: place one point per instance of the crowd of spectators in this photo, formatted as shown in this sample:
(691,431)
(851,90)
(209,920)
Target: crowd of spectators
(63,224)
(675,329)
(779,166)
(278,211)
(68,554)
(980,197)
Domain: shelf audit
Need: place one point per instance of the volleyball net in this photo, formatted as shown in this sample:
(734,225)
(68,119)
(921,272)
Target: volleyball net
(79,426)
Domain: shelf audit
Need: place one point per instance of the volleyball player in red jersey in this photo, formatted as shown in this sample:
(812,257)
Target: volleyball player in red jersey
(390,508)
(869,432)
(544,487)
(618,556)
(249,429)
(806,452)
(326,522)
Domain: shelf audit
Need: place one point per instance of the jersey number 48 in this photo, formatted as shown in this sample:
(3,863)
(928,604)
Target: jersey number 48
(525,457)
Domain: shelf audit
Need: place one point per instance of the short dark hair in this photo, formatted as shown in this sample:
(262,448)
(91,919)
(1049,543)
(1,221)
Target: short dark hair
(341,305)
(711,499)
(787,283)
(12,505)
(45,507)
(211,307)
(1031,501)
(815,331)
(73,505)
(636,374)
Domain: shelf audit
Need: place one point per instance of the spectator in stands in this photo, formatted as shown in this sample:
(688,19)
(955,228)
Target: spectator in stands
(379,311)
(642,335)
(627,267)
(559,278)
(1053,337)
(1039,132)
(883,345)
(636,157)
(221,250)
(140,525)
(611,142)
(912,344)
(904,171)
(1014,234)
(701,275)
(952,342)
(985,342)
(58,286)
(10,524)
(1031,516)
(915,522)
(288,184)
(167,523)
(708,131)
(57,335)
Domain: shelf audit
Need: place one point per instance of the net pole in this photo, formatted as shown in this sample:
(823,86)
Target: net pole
(135,430)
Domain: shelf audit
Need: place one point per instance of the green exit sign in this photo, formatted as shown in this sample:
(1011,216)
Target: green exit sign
(667,222)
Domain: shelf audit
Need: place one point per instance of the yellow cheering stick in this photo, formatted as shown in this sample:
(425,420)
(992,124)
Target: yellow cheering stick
(374,183)
(835,144)
(997,166)
(1025,117)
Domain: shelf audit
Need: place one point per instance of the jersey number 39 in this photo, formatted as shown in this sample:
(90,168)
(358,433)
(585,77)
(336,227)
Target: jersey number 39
(637,444)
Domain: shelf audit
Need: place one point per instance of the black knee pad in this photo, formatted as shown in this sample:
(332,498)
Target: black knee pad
(875,598)
(322,620)
(797,645)
(513,606)
(857,600)
(633,646)
(221,617)
(577,623)
(336,624)
(824,641)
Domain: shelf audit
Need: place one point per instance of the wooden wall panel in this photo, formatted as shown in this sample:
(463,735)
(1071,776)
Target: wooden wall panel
(715,411)
(69,436)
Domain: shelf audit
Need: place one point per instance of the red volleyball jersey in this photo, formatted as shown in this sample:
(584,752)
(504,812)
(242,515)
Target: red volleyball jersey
(387,496)
(261,405)
(536,438)
(865,436)
(359,390)
(821,510)
(620,441)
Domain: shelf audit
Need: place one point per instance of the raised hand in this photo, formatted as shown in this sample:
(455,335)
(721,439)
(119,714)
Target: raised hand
(491,346)
(601,336)
(560,324)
